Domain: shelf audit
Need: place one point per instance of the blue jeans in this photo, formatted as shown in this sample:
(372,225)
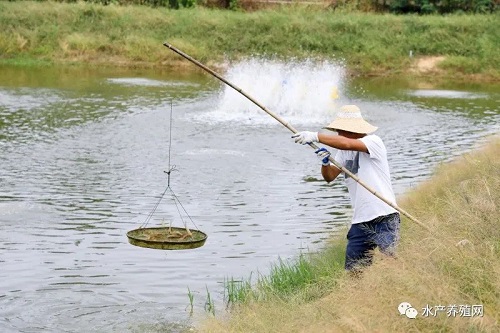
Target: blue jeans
(363,238)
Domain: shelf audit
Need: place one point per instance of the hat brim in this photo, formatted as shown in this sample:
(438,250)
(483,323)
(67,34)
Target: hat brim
(351,125)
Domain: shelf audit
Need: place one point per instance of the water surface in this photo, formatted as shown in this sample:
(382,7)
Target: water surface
(83,155)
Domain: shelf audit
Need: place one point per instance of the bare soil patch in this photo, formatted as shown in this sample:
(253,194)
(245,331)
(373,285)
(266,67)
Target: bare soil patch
(429,64)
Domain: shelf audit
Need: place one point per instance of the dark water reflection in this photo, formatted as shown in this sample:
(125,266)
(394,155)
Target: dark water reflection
(83,155)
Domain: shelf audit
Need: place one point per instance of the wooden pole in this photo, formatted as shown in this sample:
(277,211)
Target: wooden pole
(293,130)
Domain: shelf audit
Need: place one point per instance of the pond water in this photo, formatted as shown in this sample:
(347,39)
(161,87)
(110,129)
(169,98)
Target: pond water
(83,160)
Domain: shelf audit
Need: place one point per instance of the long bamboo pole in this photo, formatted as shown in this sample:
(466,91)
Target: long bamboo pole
(293,130)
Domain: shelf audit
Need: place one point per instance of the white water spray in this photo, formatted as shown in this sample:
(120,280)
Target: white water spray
(300,92)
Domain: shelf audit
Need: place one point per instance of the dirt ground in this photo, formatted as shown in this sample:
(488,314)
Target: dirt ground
(425,65)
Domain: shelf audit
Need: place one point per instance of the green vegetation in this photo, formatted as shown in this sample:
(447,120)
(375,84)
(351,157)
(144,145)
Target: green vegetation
(455,264)
(191,301)
(314,273)
(209,304)
(368,44)
(396,6)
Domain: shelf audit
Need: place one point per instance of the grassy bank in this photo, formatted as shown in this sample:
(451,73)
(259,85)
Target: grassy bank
(462,46)
(455,266)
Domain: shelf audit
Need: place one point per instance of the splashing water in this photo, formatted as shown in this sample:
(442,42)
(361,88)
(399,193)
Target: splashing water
(300,92)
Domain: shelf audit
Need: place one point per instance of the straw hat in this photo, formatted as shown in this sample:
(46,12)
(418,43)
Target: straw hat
(349,119)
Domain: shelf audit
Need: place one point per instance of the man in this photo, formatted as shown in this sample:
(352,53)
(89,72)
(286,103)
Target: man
(374,222)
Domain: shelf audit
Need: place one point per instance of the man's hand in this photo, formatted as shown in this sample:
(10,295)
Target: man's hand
(324,155)
(305,137)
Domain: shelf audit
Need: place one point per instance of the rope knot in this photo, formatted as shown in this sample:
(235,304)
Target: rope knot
(173,168)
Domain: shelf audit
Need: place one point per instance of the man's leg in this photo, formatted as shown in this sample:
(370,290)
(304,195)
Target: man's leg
(359,247)
(387,234)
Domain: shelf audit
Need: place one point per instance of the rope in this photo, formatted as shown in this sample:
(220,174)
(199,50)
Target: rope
(176,200)
(150,215)
(180,204)
(169,147)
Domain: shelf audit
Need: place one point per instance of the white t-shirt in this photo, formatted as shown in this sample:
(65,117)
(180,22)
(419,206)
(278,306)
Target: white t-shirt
(373,170)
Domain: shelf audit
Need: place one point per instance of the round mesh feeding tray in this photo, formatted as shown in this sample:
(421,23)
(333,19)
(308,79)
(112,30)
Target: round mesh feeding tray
(166,238)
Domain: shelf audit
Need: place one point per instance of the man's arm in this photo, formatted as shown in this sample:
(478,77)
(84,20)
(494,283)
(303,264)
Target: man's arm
(329,172)
(342,143)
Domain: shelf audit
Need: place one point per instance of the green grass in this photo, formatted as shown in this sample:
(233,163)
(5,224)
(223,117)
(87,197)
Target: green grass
(133,36)
(307,277)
